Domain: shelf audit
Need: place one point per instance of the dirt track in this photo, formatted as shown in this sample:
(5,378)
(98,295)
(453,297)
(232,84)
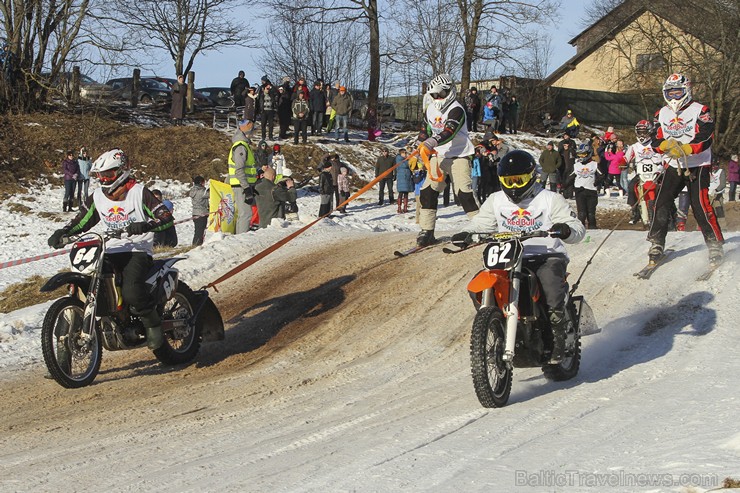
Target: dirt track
(348,315)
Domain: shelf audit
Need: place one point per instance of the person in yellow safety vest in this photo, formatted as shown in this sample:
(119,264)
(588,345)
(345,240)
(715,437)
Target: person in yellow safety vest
(242,176)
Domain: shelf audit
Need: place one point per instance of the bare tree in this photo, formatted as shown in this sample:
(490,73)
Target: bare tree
(498,29)
(183,28)
(40,36)
(428,37)
(329,13)
(597,9)
(654,47)
(296,48)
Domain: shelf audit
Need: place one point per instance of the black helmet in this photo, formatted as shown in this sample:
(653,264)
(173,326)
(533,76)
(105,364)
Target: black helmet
(516,174)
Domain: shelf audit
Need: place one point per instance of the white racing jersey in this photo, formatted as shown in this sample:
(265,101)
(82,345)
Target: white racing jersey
(452,123)
(648,163)
(499,214)
(585,174)
(693,124)
(117,214)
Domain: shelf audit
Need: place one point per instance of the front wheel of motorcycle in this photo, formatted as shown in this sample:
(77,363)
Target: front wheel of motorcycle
(492,377)
(181,344)
(71,356)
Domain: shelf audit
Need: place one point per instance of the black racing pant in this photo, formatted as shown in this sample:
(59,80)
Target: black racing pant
(551,270)
(134,267)
(586,201)
(697,182)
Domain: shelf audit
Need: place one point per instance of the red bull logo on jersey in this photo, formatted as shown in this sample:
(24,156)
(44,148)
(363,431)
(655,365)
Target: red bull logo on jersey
(676,127)
(116,217)
(522,220)
(437,124)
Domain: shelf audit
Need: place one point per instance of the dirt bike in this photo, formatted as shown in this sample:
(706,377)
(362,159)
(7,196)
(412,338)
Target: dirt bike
(94,316)
(512,327)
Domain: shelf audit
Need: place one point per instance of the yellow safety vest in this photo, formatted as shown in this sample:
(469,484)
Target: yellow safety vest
(249,168)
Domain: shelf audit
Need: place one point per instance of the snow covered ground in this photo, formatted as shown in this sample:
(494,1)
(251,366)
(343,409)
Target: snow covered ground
(388,405)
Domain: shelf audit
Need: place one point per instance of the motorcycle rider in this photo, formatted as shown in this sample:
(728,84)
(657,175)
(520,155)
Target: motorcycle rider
(524,205)
(446,133)
(122,203)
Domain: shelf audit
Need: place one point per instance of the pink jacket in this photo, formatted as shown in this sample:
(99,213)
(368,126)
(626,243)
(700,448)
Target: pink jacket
(733,171)
(616,159)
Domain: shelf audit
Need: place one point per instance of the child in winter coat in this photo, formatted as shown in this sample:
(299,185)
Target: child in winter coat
(343,180)
(326,188)
(404,183)
(615,157)
(199,196)
(475,172)
(585,170)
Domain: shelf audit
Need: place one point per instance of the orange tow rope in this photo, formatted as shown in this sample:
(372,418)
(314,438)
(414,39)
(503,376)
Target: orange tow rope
(426,155)
(267,251)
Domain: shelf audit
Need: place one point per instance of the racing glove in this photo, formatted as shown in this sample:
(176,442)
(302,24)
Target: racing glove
(429,145)
(462,239)
(674,149)
(56,240)
(138,228)
(560,230)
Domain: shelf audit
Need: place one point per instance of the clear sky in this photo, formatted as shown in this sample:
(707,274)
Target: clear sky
(218,69)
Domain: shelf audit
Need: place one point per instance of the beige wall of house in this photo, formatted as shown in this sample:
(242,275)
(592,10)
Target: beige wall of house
(619,64)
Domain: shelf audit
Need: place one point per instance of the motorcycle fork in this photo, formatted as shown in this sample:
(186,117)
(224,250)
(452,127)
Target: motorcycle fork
(512,311)
(91,303)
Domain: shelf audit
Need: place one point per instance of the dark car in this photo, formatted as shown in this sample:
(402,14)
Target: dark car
(89,87)
(150,91)
(219,96)
(386,111)
(199,99)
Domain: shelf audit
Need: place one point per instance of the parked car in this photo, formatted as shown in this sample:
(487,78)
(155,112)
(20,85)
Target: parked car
(89,87)
(150,90)
(199,99)
(386,111)
(219,96)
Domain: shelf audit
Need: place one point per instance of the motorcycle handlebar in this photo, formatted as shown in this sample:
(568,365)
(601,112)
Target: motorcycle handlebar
(481,237)
(107,234)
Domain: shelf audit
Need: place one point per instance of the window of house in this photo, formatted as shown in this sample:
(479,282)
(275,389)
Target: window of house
(650,62)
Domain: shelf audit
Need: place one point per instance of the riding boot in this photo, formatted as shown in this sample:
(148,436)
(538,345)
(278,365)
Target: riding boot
(716,253)
(425,238)
(153,325)
(399,205)
(559,325)
(154,337)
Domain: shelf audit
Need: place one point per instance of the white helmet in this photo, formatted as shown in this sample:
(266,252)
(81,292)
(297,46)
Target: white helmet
(111,168)
(442,91)
(677,91)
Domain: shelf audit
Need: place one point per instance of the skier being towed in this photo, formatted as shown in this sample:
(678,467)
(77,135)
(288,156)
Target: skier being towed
(524,205)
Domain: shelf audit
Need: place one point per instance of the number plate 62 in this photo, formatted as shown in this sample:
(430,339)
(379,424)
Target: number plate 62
(502,255)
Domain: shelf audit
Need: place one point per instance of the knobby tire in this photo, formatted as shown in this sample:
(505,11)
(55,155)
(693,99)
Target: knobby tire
(492,378)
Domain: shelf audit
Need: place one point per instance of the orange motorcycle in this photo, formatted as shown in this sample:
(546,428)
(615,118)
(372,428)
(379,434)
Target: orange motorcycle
(511,328)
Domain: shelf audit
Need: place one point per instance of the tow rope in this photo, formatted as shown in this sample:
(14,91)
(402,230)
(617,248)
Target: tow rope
(267,251)
(44,256)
